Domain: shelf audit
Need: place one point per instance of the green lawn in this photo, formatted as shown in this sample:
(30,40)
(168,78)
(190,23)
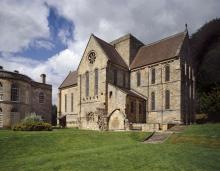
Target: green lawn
(197,148)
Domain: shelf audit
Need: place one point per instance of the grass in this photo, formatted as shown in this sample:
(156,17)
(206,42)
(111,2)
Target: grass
(197,148)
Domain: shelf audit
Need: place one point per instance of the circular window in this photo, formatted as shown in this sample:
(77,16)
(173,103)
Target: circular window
(92,57)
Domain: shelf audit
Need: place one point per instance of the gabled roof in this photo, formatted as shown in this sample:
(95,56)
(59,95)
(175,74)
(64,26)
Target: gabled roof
(111,53)
(70,80)
(162,50)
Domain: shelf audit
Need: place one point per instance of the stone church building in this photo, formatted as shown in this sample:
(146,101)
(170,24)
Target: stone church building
(20,96)
(126,84)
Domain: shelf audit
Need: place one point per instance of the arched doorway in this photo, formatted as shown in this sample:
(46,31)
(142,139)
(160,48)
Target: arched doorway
(117,121)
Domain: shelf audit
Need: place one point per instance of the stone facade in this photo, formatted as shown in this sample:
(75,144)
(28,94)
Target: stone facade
(19,96)
(112,90)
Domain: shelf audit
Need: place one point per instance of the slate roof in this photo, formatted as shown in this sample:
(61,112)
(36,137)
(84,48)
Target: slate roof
(70,80)
(111,53)
(162,50)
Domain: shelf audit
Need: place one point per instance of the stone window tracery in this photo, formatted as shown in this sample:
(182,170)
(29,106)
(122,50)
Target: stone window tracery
(92,57)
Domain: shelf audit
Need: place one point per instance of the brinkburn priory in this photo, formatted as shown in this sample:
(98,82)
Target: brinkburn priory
(126,84)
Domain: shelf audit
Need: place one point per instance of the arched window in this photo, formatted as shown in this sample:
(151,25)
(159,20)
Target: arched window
(138,78)
(153,72)
(14,93)
(0,110)
(87,84)
(41,97)
(65,102)
(167,99)
(152,101)
(1,92)
(72,102)
(167,73)
(96,81)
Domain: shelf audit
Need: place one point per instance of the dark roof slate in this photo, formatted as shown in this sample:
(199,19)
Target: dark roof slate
(111,53)
(162,50)
(70,80)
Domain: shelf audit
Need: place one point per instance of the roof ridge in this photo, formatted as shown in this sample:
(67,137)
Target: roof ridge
(158,41)
(111,46)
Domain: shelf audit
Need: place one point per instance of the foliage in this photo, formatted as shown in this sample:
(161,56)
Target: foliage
(71,149)
(32,123)
(205,44)
(210,103)
(54,115)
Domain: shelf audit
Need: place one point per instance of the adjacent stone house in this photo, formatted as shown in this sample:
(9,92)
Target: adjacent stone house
(20,96)
(126,84)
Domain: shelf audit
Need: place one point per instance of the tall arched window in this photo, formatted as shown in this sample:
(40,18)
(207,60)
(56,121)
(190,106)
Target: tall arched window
(167,73)
(14,93)
(87,84)
(72,102)
(96,81)
(1,92)
(41,97)
(167,99)
(153,72)
(152,101)
(0,110)
(138,78)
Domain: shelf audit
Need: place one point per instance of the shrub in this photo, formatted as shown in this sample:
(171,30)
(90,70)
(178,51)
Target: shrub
(201,118)
(32,123)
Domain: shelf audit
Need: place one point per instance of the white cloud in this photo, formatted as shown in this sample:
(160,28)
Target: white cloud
(20,23)
(56,68)
(39,44)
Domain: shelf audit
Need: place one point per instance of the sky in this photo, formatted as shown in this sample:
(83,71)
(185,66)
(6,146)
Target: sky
(48,36)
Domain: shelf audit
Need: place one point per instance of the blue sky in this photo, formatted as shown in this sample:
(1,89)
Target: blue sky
(56,23)
(48,36)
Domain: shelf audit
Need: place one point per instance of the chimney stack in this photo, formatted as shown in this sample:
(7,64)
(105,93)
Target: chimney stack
(43,77)
(16,71)
(1,67)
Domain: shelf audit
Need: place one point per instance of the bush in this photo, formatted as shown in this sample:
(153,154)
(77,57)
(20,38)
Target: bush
(32,123)
(201,118)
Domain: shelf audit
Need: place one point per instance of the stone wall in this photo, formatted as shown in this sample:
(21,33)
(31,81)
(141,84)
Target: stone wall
(160,114)
(72,107)
(13,112)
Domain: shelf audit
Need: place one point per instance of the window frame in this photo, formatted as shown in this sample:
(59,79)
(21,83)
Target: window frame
(65,101)
(41,97)
(72,101)
(153,103)
(1,92)
(14,93)
(138,77)
(167,73)
(96,85)
(153,75)
(167,99)
(87,83)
